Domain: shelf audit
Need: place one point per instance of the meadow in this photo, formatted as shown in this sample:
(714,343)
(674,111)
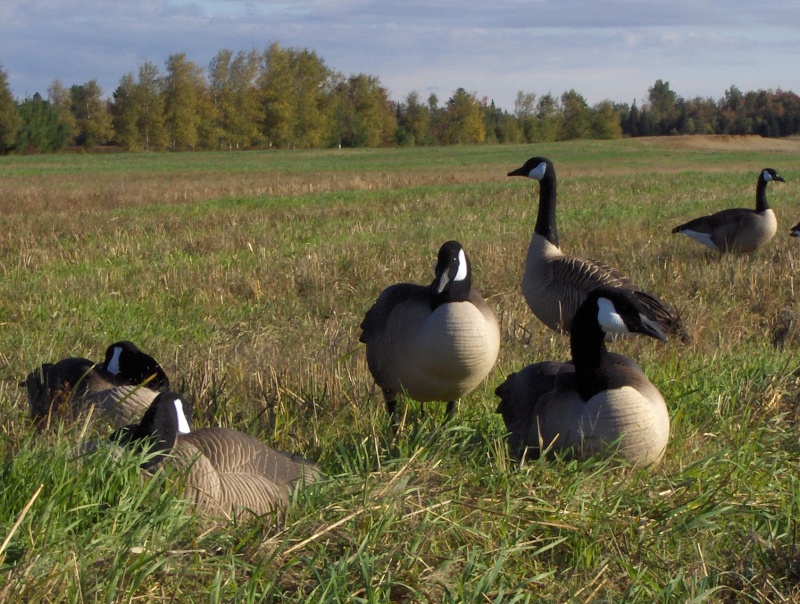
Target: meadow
(247,275)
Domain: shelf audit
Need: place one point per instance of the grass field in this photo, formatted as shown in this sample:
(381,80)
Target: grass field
(247,275)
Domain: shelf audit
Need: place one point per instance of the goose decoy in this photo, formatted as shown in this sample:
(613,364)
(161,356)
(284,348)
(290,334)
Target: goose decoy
(599,401)
(737,230)
(121,387)
(554,284)
(434,343)
(225,471)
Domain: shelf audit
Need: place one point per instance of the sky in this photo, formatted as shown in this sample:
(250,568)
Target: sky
(613,49)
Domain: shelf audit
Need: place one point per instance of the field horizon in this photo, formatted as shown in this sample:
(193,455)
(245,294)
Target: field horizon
(246,274)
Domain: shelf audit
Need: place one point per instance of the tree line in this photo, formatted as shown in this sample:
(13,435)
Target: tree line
(289,98)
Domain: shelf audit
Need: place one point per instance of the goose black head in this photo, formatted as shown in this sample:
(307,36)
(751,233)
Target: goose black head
(616,311)
(769,174)
(536,168)
(127,362)
(164,420)
(453,277)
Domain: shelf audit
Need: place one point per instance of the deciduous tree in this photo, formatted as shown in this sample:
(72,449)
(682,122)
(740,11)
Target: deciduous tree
(92,117)
(10,120)
(464,119)
(183,88)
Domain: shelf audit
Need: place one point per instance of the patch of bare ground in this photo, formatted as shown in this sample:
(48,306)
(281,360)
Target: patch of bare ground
(724,142)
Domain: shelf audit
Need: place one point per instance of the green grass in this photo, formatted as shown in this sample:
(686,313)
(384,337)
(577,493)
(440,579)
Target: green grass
(247,275)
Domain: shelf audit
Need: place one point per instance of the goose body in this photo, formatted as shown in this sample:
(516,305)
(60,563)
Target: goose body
(433,343)
(555,285)
(599,401)
(120,388)
(737,230)
(224,471)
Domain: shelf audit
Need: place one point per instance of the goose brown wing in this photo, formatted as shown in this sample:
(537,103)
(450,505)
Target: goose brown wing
(519,395)
(376,317)
(234,452)
(712,222)
(579,276)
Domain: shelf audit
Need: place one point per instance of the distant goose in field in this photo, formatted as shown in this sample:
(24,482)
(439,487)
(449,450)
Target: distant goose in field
(737,230)
(226,471)
(121,387)
(795,232)
(434,343)
(555,285)
(599,401)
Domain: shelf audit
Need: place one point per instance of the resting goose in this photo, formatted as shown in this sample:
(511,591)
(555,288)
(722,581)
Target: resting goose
(597,402)
(434,343)
(226,471)
(737,230)
(555,285)
(121,387)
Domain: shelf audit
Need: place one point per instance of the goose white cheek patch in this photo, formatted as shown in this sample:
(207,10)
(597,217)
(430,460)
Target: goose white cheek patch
(113,364)
(538,172)
(608,317)
(461,274)
(766,176)
(183,425)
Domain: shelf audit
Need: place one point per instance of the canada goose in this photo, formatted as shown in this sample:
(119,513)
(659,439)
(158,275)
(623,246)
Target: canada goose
(795,232)
(598,399)
(226,471)
(737,230)
(434,343)
(122,386)
(555,285)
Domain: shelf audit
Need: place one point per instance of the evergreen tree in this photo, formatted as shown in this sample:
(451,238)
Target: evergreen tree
(42,130)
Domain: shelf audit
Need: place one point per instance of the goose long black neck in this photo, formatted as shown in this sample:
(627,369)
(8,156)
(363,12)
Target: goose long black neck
(761,194)
(546,218)
(589,353)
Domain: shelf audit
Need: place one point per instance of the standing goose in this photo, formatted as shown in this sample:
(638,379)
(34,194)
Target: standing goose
(434,343)
(225,471)
(737,230)
(555,285)
(599,400)
(122,386)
